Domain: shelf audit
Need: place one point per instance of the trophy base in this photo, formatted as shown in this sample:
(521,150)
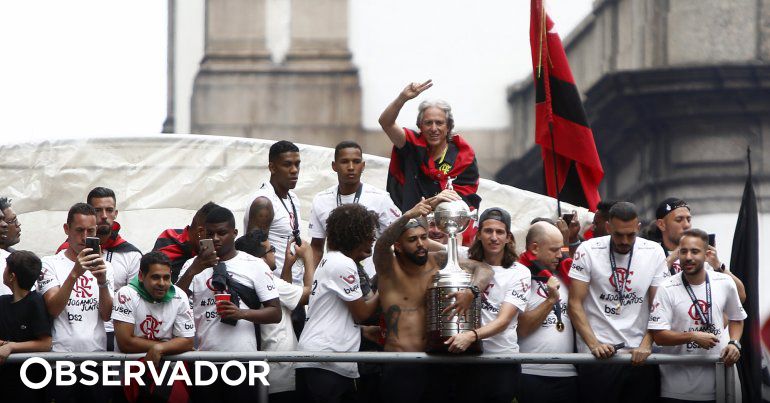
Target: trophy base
(435,345)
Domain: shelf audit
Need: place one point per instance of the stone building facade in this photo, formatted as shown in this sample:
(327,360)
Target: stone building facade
(675,90)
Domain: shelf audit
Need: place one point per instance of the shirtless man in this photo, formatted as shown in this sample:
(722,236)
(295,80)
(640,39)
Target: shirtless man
(405,273)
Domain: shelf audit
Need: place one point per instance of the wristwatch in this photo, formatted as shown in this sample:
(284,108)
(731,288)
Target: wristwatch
(475,290)
(735,343)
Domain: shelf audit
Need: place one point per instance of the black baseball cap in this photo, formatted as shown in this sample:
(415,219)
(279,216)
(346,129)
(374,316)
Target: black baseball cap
(669,205)
(496,213)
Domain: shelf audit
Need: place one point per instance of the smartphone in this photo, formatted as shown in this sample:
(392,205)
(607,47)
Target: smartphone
(568,217)
(93,243)
(207,244)
(618,346)
(712,239)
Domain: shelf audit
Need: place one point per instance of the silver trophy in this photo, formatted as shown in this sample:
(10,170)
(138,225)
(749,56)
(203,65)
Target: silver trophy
(452,218)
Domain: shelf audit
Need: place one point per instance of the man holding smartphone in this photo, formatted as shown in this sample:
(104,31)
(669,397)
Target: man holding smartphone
(76,285)
(224,325)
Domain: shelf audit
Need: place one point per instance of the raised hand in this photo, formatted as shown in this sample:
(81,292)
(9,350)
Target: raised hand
(414,89)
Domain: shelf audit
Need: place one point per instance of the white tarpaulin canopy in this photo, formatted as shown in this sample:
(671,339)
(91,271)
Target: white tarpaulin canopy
(160,181)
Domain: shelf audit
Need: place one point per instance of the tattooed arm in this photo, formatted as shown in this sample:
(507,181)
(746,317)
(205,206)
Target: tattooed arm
(383,255)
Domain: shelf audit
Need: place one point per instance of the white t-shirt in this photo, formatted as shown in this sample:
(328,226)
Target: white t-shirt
(674,310)
(372,198)
(280,337)
(154,320)
(329,325)
(546,339)
(4,290)
(78,328)
(511,286)
(212,334)
(281,228)
(591,264)
(125,266)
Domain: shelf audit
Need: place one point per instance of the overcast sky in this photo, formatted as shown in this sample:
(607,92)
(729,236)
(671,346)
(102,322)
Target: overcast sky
(98,67)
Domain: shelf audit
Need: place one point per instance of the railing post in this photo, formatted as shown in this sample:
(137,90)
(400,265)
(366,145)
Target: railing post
(721,394)
(730,384)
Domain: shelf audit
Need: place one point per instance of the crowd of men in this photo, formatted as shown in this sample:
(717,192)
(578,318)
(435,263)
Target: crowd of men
(360,283)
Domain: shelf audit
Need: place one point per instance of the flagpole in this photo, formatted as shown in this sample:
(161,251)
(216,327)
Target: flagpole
(555,171)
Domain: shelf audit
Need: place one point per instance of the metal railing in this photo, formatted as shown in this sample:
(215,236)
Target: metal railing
(725,380)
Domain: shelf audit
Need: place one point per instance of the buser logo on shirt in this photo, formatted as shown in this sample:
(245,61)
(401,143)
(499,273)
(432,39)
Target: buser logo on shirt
(349,279)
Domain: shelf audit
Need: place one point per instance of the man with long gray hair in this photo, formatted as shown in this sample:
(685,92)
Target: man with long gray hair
(421,163)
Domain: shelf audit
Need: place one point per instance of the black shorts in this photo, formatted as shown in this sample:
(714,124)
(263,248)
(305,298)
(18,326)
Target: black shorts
(407,383)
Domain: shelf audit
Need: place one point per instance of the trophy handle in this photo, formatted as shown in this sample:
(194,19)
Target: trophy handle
(474,215)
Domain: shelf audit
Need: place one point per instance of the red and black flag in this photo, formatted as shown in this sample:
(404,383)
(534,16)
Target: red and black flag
(561,126)
(744,263)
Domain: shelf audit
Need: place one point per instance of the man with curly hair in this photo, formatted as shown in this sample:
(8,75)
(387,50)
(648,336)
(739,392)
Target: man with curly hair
(336,304)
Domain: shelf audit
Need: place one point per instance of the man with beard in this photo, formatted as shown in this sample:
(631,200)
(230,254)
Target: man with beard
(688,319)
(13,236)
(673,218)
(545,326)
(228,325)
(123,256)
(405,270)
(614,279)
(153,316)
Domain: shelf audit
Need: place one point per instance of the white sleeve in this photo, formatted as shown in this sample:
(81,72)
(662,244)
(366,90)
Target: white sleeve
(388,213)
(661,311)
(517,290)
(316,228)
(123,305)
(581,265)
(184,323)
(345,281)
(132,265)
(734,308)
(186,266)
(660,267)
(262,280)
(289,293)
(47,279)
(110,274)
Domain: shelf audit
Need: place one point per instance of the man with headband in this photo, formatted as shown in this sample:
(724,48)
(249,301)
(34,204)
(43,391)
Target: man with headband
(405,270)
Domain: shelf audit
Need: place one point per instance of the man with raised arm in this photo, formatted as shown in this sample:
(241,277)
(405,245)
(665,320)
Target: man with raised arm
(405,270)
(422,162)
